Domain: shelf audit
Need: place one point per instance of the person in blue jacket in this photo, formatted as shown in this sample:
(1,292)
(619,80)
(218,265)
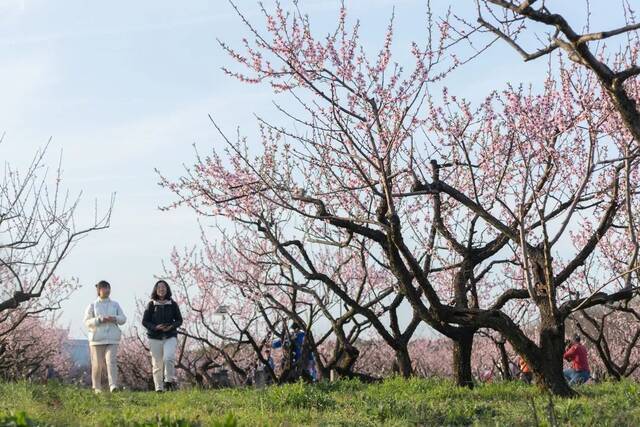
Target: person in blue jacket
(297,335)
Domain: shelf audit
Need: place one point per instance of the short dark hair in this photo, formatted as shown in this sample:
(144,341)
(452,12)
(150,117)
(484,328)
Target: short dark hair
(102,284)
(154,293)
(295,325)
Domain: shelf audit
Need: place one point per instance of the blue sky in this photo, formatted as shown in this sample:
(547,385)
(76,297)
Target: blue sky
(124,87)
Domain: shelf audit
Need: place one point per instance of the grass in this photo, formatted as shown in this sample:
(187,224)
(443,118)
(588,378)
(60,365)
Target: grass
(395,402)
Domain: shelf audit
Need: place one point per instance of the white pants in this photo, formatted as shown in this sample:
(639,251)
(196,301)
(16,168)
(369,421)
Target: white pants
(104,355)
(163,360)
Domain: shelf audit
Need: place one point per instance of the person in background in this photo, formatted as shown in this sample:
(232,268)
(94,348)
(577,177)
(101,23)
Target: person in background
(579,372)
(525,372)
(161,319)
(102,318)
(297,336)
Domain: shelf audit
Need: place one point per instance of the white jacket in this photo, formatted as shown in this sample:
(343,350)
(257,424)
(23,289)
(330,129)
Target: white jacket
(99,331)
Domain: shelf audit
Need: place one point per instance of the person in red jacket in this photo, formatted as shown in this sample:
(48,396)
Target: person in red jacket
(579,372)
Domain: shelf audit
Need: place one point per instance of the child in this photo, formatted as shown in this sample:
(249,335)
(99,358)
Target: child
(102,318)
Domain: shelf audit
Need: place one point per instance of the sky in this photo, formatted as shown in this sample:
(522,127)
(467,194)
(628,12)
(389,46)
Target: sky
(124,87)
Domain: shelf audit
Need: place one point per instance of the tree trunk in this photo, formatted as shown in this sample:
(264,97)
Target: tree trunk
(343,363)
(548,371)
(613,371)
(551,378)
(544,360)
(462,348)
(348,359)
(403,362)
(504,360)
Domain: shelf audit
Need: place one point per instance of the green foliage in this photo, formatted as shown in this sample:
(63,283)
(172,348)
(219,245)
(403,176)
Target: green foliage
(299,396)
(395,402)
(19,419)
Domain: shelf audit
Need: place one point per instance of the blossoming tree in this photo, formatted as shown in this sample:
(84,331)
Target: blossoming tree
(38,228)
(472,208)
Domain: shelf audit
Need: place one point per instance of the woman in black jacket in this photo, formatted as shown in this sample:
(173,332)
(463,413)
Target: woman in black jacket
(162,319)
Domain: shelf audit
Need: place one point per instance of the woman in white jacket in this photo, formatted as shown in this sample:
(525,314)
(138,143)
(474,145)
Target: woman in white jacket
(102,318)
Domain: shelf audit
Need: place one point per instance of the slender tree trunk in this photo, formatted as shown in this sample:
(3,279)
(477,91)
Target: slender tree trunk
(612,370)
(462,348)
(504,360)
(613,373)
(403,362)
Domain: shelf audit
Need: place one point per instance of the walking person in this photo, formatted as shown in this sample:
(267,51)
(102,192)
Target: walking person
(579,372)
(102,318)
(162,318)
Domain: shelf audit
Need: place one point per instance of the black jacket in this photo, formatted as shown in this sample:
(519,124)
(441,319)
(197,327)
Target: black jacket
(157,314)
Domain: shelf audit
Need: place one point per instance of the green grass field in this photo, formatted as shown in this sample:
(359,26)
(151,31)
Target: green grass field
(394,402)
